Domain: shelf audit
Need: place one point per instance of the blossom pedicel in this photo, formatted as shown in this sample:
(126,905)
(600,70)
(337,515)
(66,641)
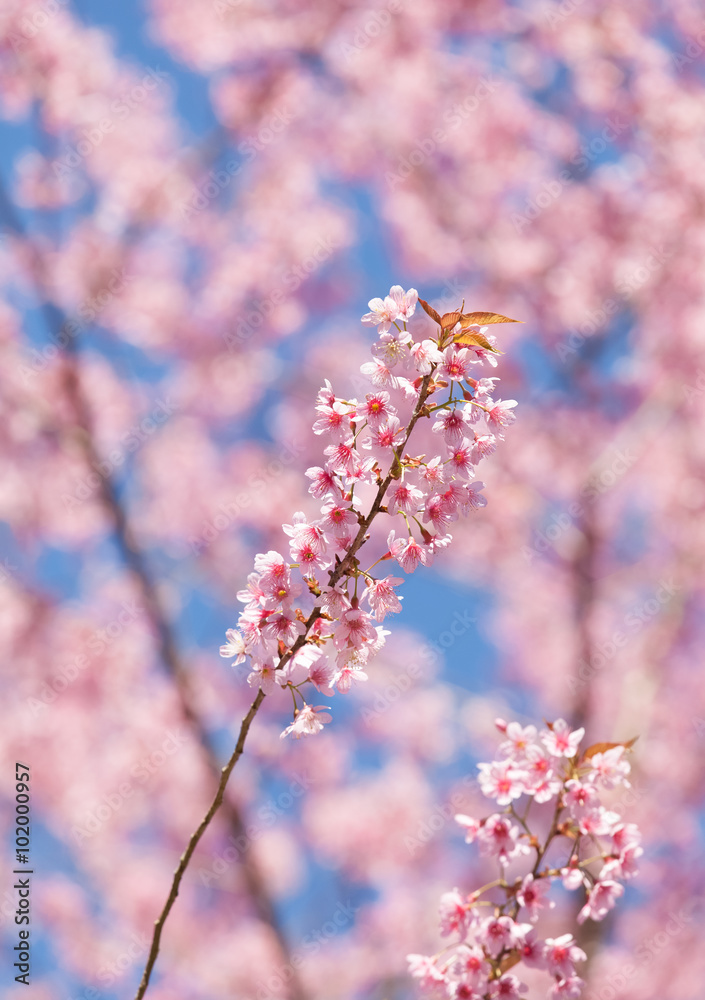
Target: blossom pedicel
(314,615)
(592,849)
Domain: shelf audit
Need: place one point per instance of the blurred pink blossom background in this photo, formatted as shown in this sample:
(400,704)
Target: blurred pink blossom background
(199,197)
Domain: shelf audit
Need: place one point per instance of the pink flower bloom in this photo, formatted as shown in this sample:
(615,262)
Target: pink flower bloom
(424,968)
(383,313)
(470,825)
(309,559)
(561,955)
(579,798)
(392,347)
(333,421)
(456,363)
(386,438)
(253,593)
(284,628)
(533,950)
(473,498)
(502,781)
(541,779)
(266,676)
(273,570)
(433,473)
(334,601)
(518,739)
(425,356)
(303,533)
(531,896)
(501,414)
(484,387)
(405,301)
(336,518)
(598,822)
(376,409)
(626,836)
(463,991)
(347,675)
(624,867)
(567,989)
(382,597)
(460,462)
(496,933)
(455,914)
(501,839)
(316,667)
(453,425)
(572,878)
(354,628)
(508,987)
(341,457)
(470,965)
(484,445)
(379,374)
(235,646)
(407,552)
(362,471)
(309,721)
(323,483)
(439,513)
(404,497)
(601,900)
(610,768)
(560,740)
(326,396)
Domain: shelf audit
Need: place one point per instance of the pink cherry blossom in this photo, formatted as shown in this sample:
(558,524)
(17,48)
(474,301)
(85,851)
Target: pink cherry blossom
(407,552)
(601,900)
(561,955)
(382,597)
(532,896)
(470,825)
(508,987)
(405,301)
(309,721)
(382,313)
(610,767)
(354,628)
(456,363)
(455,914)
(502,781)
(235,646)
(496,933)
(501,839)
(561,740)
(376,409)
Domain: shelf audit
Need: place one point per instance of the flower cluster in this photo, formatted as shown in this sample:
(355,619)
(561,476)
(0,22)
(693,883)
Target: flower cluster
(585,846)
(314,615)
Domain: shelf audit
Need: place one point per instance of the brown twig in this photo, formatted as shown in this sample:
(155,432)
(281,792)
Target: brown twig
(193,842)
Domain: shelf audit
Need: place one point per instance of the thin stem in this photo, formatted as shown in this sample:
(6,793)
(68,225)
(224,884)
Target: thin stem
(342,568)
(193,843)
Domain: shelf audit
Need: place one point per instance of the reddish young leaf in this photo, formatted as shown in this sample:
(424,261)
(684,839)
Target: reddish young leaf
(485,318)
(430,311)
(476,338)
(448,320)
(602,747)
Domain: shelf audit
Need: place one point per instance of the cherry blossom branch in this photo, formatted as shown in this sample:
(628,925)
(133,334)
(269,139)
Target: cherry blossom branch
(285,645)
(335,575)
(543,767)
